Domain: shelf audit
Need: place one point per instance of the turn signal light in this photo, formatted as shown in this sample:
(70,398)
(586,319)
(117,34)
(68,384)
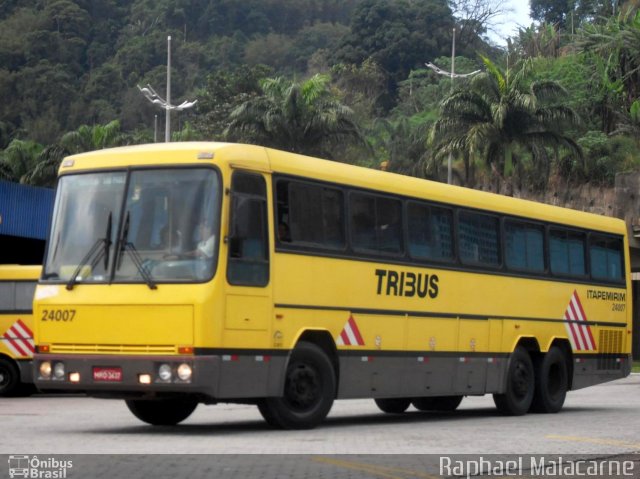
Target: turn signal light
(185,349)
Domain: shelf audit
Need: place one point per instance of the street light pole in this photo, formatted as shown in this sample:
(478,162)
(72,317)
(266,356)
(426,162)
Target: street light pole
(452,74)
(151,95)
(453,66)
(167,125)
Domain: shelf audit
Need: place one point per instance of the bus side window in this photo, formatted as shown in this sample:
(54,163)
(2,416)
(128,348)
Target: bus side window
(8,295)
(567,252)
(248,243)
(478,238)
(606,258)
(24,295)
(524,246)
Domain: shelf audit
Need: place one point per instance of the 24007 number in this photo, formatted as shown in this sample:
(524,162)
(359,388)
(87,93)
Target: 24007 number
(58,314)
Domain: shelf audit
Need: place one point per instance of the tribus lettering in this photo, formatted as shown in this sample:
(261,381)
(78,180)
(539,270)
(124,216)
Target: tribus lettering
(393,283)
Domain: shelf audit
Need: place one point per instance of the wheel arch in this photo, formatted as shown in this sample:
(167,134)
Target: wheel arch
(529,343)
(323,339)
(320,338)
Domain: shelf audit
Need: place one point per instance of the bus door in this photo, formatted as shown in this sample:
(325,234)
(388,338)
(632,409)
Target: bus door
(249,303)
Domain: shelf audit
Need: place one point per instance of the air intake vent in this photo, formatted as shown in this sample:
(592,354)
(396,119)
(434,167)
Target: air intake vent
(112,348)
(610,346)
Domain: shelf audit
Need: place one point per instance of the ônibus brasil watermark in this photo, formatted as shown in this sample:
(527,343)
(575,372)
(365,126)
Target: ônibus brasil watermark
(32,467)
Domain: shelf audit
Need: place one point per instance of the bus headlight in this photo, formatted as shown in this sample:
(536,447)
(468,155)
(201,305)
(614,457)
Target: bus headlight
(184,372)
(164,372)
(45,370)
(58,370)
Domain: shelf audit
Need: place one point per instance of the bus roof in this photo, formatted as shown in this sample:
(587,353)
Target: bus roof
(267,159)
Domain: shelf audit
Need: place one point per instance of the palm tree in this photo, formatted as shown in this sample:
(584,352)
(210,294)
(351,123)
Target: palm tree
(6,173)
(501,115)
(46,170)
(403,146)
(188,133)
(18,159)
(301,117)
(538,41)
(85,138)
(616,46)
(95,137)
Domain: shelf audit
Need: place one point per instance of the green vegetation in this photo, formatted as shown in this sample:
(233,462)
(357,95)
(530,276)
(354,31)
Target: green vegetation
(343,79)
(636,367)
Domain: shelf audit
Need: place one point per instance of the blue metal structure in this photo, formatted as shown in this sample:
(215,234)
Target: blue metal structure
(25,211)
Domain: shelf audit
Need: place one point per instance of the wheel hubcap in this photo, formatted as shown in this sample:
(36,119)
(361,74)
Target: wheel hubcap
(521,380)
(303,387)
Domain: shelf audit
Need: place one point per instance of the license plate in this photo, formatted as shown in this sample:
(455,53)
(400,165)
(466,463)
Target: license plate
(107,374)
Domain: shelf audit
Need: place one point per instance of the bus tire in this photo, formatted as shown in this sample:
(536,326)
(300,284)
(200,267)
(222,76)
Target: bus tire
(393,405)
(309,391)
(552,382)
(9,377)
(162,412)
(438,403)
(516,400)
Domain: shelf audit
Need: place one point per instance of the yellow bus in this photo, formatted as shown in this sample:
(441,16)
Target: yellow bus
(17,286)
(320,281)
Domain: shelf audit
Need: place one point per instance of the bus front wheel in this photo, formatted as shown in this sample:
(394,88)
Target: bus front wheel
(162,412)
(552,382)
(516,400)
(9,377)
(393,405)
(438,403)
(309,391)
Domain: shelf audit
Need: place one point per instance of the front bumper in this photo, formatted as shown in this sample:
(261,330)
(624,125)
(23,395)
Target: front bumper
(227,377)
(130,369)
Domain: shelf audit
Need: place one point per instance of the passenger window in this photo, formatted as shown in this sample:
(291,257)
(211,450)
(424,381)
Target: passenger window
(478,238)
(17,295)
(606,258)
(376,224)
(24,295)
(567,253)
(310,215)
(430,232)
(248,241)
(8,295)
(524,246)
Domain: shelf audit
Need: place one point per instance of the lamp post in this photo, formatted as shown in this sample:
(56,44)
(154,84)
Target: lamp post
(151,95)
(452,74)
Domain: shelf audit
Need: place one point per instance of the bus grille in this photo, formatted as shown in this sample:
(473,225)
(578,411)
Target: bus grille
(610,343)
(112,348)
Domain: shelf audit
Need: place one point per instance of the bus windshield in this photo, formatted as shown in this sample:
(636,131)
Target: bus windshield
(141,225)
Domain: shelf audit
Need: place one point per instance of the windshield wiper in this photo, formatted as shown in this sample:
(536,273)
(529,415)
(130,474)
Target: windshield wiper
(127,246)
(101,247)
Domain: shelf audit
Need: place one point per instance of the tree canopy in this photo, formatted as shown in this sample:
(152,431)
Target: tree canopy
(340,79)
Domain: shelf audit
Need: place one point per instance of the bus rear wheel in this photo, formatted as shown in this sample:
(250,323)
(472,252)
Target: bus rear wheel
(162,412)
(309,391)
(393,405)
(439,403)
(552,382)
(9,377)
(517,399)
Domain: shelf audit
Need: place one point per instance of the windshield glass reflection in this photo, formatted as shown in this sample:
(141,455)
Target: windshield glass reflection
(166,230)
